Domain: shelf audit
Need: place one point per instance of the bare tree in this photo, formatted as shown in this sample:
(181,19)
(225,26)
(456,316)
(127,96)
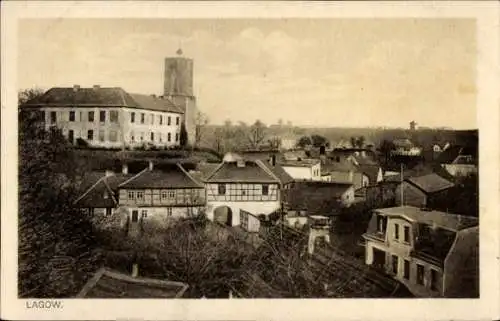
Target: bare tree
(257,133)
(27,94)
(201,123)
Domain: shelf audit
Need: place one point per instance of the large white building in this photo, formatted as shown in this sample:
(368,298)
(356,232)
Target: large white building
(114,118)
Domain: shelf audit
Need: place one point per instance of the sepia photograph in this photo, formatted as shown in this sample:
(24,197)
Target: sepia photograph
(248,158)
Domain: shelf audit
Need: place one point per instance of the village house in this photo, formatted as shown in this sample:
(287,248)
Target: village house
(111,117)
(159,196)
(422,191)
(435,254)
(405,147)
(238,184)
(459,161)
(99,195)
(303,169)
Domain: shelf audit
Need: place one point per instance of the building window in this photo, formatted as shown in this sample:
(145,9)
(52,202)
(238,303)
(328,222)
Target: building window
(71,116)
(434,280)
(177,120)
(164,195)
(140,195)
(406,271)
(132,117)
(395,264)
(171,194)
(142,118)
(152,136)
(101,135)
(102,116)
(71,136)
(265,189)
(113,116)
(90,134)
(161,137)
(420,274)
(407,234)
(53,117)
(91,116)
(161,119)
(396,231)
(380,224)
(169,137)
(169,121)
(169,211)
(109,211)
(132,137)
(176,137)
(144,213)
(113,136)
(222,189)
(142,136)
(131,195)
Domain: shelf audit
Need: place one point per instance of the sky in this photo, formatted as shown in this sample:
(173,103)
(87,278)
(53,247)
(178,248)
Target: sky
(311,72)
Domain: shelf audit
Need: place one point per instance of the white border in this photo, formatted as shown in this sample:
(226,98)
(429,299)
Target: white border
(488,85)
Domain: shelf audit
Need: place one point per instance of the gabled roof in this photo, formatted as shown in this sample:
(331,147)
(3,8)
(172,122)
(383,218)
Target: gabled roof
(101,97)
(279,172)
(100,193)
(430,183)
(452,222)
(176,177)
(110,284)
(251,172)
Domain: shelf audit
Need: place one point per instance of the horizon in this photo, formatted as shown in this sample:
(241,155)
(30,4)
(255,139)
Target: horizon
(400,70)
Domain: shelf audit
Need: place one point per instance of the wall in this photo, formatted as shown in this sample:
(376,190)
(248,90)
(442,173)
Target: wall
(256,208)
(183,196)
(159,216)
(242,192)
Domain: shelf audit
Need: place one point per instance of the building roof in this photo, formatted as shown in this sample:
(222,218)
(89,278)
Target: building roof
(452,222)
(450,154)
(203,171)
(300,163)
(403,142)
(110,284)
(279,172)
(430,183)
(175,177)
(251,172)
(100,193)
(101,97)
(371,171)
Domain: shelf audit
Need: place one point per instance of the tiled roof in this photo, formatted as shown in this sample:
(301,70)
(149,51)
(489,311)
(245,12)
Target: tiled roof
(203,171)
(251,173)
(101,97)
(444,220)
(279,172)
(430,183)
(100,193)
(109,284)
(176,177)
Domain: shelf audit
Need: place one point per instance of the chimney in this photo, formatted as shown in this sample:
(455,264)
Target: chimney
(151,165)
(97,87)
(135,270)
(109,173)
(124,169)
(76,88)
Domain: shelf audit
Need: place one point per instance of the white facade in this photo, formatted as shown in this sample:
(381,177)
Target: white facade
(304,172)
(113,126)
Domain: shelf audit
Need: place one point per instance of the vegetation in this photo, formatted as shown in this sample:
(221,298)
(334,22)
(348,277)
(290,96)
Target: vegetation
(56,242)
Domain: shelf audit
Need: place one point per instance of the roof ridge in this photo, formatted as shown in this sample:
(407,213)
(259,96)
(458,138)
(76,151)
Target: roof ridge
(89,189)
(189,175)
(134,177)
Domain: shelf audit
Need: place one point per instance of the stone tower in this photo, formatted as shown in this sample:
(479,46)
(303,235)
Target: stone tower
(178,87)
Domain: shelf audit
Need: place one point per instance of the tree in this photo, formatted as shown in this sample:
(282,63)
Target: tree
(201,123)
(385,149)
(304,141)
(56,241)
(28,94)
(256,134)
(274,142)
(318,141)
(183,135)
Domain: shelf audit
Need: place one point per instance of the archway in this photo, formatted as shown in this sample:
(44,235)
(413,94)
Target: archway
(223,215)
